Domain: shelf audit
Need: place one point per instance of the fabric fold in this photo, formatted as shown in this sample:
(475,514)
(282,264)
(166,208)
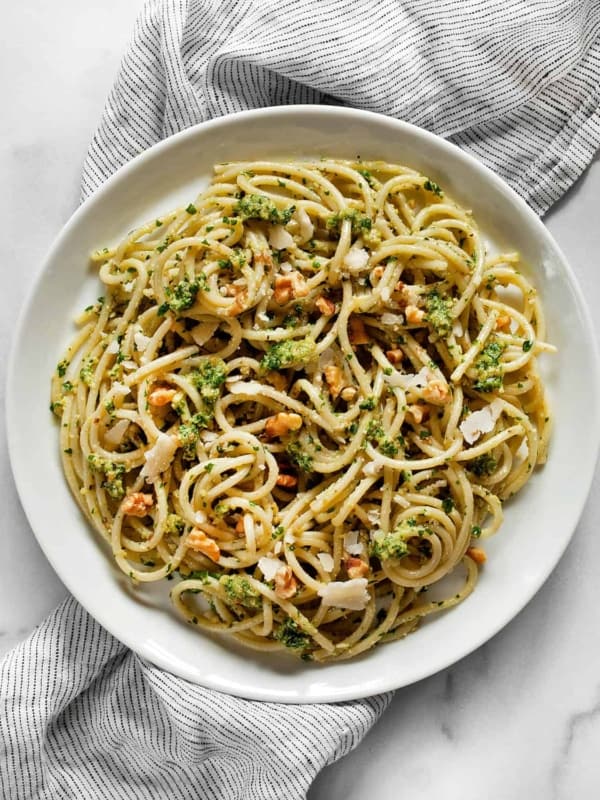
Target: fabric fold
(82,716)
(514,83)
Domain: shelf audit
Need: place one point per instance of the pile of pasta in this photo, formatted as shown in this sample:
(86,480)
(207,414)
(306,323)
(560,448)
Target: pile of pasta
(303,399)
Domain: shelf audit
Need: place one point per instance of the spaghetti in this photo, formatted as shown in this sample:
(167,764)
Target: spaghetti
(305,397)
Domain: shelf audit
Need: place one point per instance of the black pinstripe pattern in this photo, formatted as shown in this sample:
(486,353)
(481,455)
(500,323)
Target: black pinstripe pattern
(83,717)
(514,82)
(517,84)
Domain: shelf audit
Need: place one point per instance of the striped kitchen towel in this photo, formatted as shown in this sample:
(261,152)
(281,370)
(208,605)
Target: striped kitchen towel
(517,84)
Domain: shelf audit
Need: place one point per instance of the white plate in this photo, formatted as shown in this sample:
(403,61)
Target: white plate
(539,521)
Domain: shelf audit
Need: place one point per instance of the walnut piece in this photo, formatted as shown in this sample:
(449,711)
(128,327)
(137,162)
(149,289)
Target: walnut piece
(282,423)
(137,504)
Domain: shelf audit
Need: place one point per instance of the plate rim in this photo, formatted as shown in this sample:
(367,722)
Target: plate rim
(383,683)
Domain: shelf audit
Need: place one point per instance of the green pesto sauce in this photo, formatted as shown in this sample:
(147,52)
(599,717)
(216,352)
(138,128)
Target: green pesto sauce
(257,206)
(394,544)
(489,367)
(239,590)
(183,295)
(360,223)
(299,456)
(113,473)
(483,465)
(291,635)
(439,312)
(289,353)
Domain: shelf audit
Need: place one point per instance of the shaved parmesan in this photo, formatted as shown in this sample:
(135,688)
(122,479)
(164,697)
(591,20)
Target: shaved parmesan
(391,319)
(350,538)
(374,516)
(350,594)
(269,567)
(356,258)
(200,518)
(159,456)
(279,238)
(327,561)
(113,347)
(202,332)
(457,328)
(410,380)
(480,422)
(120,390)
(421,379)
(141,341)
(352,545)
(115,435)
(285,267)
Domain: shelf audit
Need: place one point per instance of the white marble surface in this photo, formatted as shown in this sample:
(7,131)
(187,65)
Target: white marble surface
(520,718)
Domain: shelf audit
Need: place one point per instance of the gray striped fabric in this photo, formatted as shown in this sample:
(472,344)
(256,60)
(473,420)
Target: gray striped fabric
(517,84)
(514,82)
(83,717)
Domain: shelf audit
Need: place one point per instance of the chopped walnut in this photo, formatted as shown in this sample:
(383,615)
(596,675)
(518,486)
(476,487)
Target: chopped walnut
(137,504)
(356,567)
(286,481)
(408,295)
(199,541)
(437,392)
(414,315)
(288,287)
(161,396)
(285,583)
(377,272)
(334,379)
(477,554)
(263,259)
(325,305)
(394,356)
(240,302)
(418,413)
(357,332)
(282,423)
(349,394)
(502,322)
